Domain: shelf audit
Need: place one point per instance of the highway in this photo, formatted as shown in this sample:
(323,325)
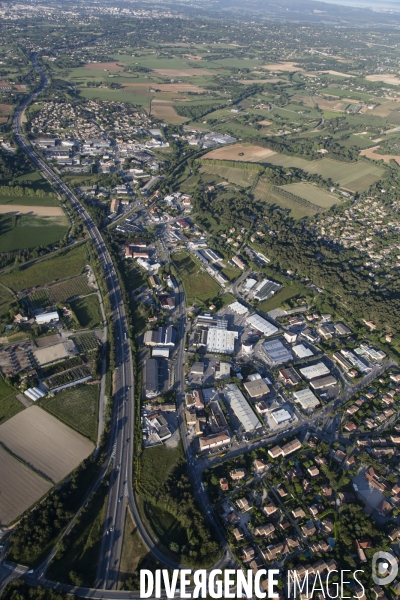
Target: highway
(123,413)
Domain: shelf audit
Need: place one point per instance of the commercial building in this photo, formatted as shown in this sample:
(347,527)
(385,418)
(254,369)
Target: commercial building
(266,289)
(342,329)
(314,371)
(256,388)
(356,361)
(220,340)
(276,353)
(281,416)
(238,308)
(342,361)
(241,407)
(49,317)
(306,399)
(301,351)
(262,325)
(163,336)
(323,382)
(211,255)
(249,284)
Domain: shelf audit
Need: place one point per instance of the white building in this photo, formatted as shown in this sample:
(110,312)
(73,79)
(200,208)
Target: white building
(314,371)
(302,351)
(221,341)
(261,325)
(306,399)
(48,317)
(238,308)
(281,416)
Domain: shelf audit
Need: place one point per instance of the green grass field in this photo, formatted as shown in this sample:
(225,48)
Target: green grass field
(311,193)
(27,231)
(198,285)
(9,405)
(63,265)
(264,192)
(236,176)
(28,200)
(278,299)
(356,177)
(87,311)
(76,407)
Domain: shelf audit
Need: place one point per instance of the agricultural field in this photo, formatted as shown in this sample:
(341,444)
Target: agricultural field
(87,342)
(312,194)
(40,205)
(199,286)
(19,231)
(164,109)
(66,264)
(355,177)
(39,299)
(241,152)
(76,407)
(44,443)
(264,192)
(70,288)
(236,176)
(24,487)
(9,405)
(386,158)
(87,311)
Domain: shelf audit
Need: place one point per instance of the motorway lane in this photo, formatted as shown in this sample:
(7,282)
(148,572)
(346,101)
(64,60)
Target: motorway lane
(123,417)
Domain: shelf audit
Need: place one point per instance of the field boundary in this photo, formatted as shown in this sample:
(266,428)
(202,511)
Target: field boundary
(26,464)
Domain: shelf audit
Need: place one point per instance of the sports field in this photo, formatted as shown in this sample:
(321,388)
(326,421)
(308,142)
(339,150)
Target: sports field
(43,442)
(20,487)
(312,194)
(76,407)
(198,285)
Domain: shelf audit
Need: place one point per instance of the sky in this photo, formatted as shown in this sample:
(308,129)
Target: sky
(373,4)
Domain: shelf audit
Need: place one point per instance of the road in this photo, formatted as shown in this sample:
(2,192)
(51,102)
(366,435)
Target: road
(123,414)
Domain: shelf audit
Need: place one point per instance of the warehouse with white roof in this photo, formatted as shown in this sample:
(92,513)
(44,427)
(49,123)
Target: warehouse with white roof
(314,371)
(261,325)
(276,353)
(301,351)
(306,399)
(241,407)
(221,341)
(238,308)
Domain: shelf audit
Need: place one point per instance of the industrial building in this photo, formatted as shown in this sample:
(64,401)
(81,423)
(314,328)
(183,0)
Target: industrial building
(356,361)
(281,416)
(249,284)
(306,399)
(156,376)
(323,382)
(276,353)
(262,325)
(163,336)
(160,352)
(342,329)
(241,407)
(256,388)
(314,371)
(289,376)
(238,308)
(220,339)
(301,351)
(266,289)
(342,361)
(223,370)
